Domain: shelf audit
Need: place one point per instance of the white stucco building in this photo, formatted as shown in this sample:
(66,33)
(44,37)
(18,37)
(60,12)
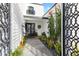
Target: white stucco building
(27,18)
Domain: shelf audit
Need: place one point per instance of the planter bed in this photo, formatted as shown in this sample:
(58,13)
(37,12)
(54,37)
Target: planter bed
(52,50)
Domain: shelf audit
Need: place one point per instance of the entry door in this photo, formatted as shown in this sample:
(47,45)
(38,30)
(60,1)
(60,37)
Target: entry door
(30,28)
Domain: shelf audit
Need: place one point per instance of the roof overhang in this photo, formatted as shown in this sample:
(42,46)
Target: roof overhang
(45,18)
(34,17)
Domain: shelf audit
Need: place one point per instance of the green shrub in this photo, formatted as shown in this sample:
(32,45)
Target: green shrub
(49,43)
(57,46)
(46,40)
(43,38)
(17,52)
(24,39)
(39,37)
(44,34)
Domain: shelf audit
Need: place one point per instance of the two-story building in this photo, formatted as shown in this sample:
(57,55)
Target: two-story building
(29,18)
(17,19)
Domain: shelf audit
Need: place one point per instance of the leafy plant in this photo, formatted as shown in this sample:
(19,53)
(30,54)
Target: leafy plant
(55,31)
(17,52)
(43,39)
(51,27)
(58,22)
(44,34)
(49,43)
(24,39)
(58,48)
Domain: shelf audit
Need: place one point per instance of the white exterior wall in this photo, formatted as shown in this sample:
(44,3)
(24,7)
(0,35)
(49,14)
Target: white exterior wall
(45,26)
(43,23)
(37,18)
(16,29)
(17,20)
(39,31)
(39,10)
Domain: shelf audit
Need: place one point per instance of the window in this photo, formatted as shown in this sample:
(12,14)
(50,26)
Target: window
(30,10)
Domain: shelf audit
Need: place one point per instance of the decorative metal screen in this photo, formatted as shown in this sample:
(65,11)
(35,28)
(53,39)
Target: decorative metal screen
(71,29)
(4,29)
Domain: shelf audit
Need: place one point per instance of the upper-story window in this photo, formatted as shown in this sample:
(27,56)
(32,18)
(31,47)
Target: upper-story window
(30,10)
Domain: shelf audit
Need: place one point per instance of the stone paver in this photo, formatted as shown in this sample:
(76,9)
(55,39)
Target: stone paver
(34,47)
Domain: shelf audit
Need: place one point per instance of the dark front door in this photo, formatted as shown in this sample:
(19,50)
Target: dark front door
(30,28)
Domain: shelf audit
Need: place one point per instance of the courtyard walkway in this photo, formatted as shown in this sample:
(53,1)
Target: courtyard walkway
(34,47)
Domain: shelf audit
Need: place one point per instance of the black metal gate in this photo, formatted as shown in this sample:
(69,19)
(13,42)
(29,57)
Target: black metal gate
(4,29)
(71,29)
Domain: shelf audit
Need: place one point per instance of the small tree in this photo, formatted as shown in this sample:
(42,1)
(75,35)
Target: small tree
(51,27)
(55,32)
(58,22)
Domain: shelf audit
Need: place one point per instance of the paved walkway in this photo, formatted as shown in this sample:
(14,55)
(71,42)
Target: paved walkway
(34,47)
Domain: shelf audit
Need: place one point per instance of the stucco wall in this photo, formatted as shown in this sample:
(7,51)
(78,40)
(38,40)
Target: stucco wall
(39,10)
(17,20)
(43,23)
(39,31)
(45,26)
